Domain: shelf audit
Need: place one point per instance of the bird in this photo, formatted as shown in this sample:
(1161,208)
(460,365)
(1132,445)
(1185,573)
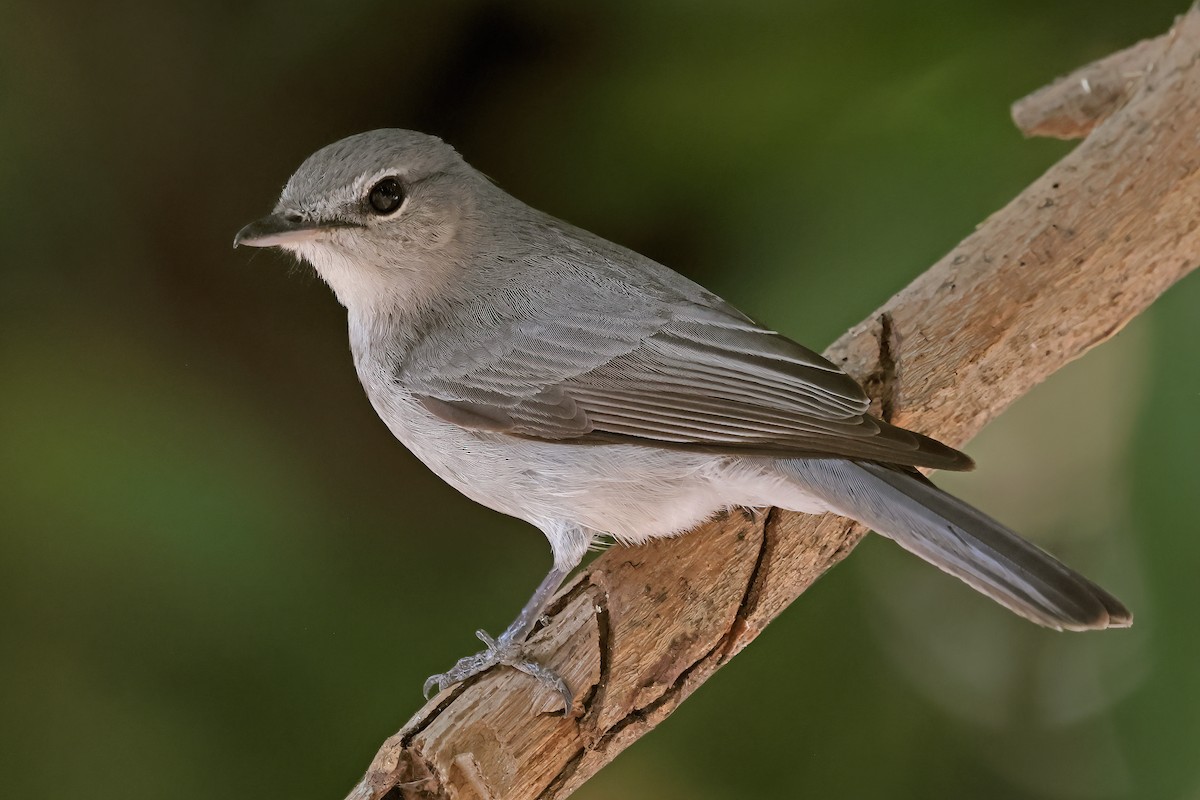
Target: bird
(565,380)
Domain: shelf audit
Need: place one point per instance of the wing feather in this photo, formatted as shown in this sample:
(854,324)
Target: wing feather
(666,363)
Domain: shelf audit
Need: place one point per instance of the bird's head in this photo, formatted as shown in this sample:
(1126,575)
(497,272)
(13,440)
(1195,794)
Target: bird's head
(377,215)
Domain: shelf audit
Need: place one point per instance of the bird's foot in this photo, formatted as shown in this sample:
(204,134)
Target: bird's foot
(508,651)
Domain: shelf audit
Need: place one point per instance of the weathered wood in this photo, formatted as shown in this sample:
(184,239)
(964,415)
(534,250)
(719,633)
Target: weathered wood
(1074,104)
(1060,269)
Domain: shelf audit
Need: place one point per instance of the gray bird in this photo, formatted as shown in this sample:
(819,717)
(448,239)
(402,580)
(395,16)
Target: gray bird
(562,379)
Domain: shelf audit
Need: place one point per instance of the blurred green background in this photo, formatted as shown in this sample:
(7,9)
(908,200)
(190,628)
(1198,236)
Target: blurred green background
(221,577)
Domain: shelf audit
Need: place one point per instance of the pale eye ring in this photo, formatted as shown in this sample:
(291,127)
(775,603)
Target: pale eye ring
(385,196)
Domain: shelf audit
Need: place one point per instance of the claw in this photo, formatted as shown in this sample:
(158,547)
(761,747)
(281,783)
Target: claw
(509,649)
(549,679)
(501,652)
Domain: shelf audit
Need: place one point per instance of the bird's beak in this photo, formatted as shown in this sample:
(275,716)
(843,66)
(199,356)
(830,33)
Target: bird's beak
(277,229)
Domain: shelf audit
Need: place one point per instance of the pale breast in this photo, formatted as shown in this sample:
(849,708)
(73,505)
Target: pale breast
(630,492)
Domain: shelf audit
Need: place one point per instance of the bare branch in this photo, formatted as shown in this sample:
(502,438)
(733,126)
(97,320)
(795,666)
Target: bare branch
(1073,105)
(1063,267)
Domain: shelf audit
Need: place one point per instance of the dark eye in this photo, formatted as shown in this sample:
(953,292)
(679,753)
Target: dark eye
(386,196)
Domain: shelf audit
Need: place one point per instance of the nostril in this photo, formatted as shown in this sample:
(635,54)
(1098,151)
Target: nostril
(293,216)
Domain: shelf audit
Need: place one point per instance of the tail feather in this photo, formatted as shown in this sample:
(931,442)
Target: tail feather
(904,506)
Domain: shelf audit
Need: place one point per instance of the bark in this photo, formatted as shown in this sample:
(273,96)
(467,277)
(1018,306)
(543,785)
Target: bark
(1063,267)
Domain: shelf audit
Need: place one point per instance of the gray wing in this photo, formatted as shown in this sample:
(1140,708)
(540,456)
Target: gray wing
(669,365)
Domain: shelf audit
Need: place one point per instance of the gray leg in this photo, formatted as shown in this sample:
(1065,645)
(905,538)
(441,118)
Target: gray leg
(509,649)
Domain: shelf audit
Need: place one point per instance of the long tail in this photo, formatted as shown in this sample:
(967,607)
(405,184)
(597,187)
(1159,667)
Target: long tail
(903,505)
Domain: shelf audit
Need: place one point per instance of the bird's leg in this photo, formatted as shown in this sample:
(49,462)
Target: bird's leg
(509,648)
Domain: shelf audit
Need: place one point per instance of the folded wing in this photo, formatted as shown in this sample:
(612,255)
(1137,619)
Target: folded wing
(682,375)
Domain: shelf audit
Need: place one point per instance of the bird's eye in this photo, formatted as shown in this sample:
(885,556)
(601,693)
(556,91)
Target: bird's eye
(386,196)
